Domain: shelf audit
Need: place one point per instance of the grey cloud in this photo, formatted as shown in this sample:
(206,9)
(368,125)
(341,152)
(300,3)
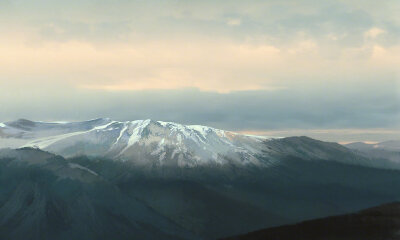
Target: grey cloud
(351,24)
(328,106)
(281,20)
(305,103)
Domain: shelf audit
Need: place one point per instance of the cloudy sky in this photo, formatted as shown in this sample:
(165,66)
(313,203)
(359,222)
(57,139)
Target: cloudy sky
(328,69)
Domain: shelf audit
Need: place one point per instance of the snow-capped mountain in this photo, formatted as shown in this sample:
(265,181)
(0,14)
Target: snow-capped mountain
(162,143)
(211,183)
(158,143)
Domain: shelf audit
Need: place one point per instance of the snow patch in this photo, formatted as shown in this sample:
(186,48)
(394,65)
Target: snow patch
(138,127)
(74,165)
(47,141)
(121,133)
(190,144)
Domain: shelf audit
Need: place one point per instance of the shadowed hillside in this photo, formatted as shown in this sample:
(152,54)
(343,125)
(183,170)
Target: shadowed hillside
(378,223)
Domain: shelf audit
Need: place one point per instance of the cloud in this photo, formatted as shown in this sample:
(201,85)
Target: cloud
(219,65)
(233,22)
(374,32)
(331,106)
(255,65)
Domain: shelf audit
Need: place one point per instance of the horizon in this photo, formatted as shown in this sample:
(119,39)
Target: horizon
(318,134)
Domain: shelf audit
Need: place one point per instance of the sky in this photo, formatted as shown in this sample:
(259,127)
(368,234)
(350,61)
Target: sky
(327,69)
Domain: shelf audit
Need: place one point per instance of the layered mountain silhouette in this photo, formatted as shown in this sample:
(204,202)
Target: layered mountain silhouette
(104,179)
(389,150)
(148,142)
(43,196)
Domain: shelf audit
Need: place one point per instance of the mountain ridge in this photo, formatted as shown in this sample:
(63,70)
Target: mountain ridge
(196,144)
(206,201)
(158,143)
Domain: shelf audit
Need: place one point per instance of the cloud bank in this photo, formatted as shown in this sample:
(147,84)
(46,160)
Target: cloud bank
(245,66)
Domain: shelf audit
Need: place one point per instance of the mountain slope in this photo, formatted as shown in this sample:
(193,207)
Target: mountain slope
(162,143)
(217,201)
(43,196)
(381,222)
(308,148)
(389,150)
(155,143)
(166,180)
(48,197)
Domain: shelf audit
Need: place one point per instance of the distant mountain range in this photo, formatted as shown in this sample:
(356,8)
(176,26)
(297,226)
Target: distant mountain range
(157,143)
(104,179)
(387,145)
(389,150)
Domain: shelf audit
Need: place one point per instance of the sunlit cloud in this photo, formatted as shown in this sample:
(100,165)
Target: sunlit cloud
(154,84)
(208,64)
(234,22)
(374,32)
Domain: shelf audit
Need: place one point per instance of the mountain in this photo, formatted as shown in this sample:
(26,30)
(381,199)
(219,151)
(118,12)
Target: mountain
(160,142)
(382,222)
(44,196)
(389,150)
(158,180)
(387,145)
(157,143)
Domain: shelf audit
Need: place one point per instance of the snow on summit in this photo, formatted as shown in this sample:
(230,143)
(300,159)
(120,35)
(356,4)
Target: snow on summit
(140,141)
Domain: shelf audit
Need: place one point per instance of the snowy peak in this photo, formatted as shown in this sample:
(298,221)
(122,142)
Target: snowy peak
(141,141)
(157,143)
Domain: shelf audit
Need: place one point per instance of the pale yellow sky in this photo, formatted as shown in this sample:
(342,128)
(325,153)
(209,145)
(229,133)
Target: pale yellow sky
(219,65)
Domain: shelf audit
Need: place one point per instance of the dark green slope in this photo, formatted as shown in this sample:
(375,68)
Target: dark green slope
(216,202)
(42,197)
